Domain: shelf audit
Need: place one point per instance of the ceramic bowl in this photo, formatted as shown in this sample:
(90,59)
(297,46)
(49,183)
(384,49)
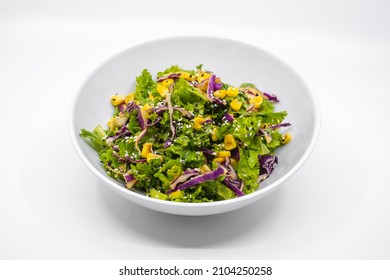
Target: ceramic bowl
(235,62)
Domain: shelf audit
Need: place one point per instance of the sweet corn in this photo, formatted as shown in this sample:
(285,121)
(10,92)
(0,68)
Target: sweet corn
(198,121)
(147,108)
(235,104)
(224,154)
(214,135)
(110,124)
(117,99)
(232,91)
(129,97)
(219,159)
(162,89)
(230,142)
(203,75)
(152,156)
(146,149)
(176,194)
(286,138)
(167,82)
(256,101)
(187,76)
(220,93)
(204,169)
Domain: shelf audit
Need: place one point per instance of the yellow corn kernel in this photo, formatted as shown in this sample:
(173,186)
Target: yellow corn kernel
(187,76)
(224,154)
(230,142)
(117,99)
(235,104)
(177,194)
(219,159)
(214,136)
(220,93)
(147,108)
(204,169)
(232,91)
(198,121)
(110,124)
(167,82)
(256,101)
(146,149)
(286,138)
(203,75)
(151,156)
(129,97)
(162,90)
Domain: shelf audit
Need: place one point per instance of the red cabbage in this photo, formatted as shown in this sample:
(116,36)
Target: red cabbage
(250,107)
(219,101)
(156,121)
(217,86)
(183,111)
(209,152)
(233,186)
(129,180)
(279,125)
(231,172)
(173,129)
(209,176)
(122,107)
(210,88)
(113,138)
(228,117)
(267,163)
(271,97)
(182,178)
(169,76)
(266,135)
(132,160)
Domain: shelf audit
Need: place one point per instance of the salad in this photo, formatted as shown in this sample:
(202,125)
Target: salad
(188,136)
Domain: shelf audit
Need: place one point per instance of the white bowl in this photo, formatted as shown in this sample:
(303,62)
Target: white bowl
(235,62)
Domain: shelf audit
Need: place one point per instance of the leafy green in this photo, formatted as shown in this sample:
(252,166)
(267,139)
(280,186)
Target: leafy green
(187,144)
(244,85)
(246,172)
(273,117)
(94,139)
(185,93)
(145,85)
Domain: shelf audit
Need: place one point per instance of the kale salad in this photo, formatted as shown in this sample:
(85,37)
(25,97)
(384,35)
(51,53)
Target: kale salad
(188,136)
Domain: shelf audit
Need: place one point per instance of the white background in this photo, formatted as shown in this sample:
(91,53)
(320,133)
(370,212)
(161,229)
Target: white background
(336,206)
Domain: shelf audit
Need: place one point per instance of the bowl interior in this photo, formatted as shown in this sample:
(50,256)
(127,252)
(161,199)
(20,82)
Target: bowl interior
(234,62)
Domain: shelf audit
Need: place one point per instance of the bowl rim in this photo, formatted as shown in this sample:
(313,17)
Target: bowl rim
(137,196)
